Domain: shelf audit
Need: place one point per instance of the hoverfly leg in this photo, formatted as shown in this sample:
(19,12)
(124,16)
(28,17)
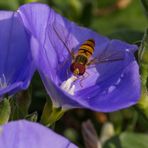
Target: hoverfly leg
(72,54)
(87,74)
(67,72)
(81,80)
(84,77)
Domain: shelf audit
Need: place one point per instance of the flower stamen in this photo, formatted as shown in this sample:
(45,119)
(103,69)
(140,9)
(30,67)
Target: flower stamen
(68,85)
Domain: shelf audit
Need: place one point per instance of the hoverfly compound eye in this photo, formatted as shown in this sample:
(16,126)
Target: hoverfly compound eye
(78,66)
(81,69)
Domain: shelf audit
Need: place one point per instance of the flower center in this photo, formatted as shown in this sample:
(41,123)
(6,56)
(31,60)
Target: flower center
(68,85)
(3,82)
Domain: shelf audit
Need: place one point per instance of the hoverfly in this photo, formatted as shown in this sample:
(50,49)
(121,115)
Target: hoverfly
(83,58)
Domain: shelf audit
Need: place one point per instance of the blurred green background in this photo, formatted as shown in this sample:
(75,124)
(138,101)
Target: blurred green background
(122,19)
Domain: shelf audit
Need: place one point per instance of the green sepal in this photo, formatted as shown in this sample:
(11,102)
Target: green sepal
(143,63)
(5,110)
(51,114)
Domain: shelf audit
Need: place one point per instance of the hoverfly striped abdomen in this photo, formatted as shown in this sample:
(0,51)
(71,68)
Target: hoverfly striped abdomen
(87,48)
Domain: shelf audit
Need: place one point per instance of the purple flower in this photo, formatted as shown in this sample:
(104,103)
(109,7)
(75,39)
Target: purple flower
(23,134)
(16,64)
(110,86)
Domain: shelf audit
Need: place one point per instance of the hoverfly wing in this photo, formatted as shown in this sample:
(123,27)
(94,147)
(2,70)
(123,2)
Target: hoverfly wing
(108,55)
(63,35)
(109,58)
(104,60)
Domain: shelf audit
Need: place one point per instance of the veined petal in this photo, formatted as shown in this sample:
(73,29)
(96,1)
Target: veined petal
(22,134)
(109,84)
(16,64)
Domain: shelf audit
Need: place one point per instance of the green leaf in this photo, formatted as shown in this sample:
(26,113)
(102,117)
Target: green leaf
(114,142)
(128,140)
(145,5)
(4,111)
(135,140)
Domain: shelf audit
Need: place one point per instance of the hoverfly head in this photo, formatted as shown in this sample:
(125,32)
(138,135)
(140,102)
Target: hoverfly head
(77,69)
